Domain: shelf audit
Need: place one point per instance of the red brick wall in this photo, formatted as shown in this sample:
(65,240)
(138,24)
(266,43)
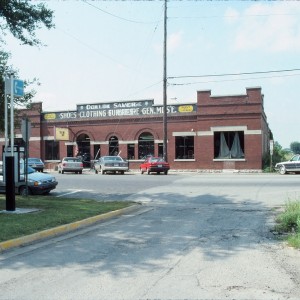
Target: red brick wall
(212,111)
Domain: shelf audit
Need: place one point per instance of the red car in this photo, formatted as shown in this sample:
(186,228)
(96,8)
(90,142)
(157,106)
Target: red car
(154,164)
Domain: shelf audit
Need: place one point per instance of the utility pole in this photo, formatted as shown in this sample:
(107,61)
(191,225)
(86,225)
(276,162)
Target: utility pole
(165,116)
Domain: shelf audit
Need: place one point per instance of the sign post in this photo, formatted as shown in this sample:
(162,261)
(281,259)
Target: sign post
(16,88)
(26,130)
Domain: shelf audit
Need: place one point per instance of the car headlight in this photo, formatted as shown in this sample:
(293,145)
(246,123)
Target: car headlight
(35,182)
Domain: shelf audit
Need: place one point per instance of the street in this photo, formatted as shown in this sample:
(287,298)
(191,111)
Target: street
(196,236)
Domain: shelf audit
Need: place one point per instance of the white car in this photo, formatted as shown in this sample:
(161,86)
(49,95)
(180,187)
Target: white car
(292,165)
(70,164)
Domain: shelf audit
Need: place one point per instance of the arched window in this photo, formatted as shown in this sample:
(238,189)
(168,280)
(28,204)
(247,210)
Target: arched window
(146,144)
(113,145)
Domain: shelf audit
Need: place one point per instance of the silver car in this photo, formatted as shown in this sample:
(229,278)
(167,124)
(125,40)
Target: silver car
(70,164)
(292,165)
(112,164)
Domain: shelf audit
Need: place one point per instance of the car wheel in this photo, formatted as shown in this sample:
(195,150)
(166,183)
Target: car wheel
(42,170)
(148,171)
(23,191)
(102,172)
(166,172)
(142,172)
(122,172)
(96,172)
(282,170)
(80,172)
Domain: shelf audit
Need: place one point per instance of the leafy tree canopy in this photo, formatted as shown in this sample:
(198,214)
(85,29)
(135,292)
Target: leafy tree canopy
(295,147)
(21,18)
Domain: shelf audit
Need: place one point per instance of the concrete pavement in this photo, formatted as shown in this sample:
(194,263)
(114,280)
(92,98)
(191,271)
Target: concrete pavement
(56,231)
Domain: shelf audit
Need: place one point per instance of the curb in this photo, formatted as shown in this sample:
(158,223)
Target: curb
(56,231)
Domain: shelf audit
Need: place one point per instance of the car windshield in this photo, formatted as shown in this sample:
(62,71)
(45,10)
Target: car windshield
(72,159)
(114,158)
(29,169)
(36,160)
(156,159)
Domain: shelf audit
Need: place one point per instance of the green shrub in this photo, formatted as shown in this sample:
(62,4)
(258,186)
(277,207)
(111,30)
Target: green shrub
(289,220)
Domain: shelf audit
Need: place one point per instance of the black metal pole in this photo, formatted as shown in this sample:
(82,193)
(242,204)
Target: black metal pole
(10,183)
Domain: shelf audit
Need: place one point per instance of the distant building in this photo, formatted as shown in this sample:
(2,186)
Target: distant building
(213,134)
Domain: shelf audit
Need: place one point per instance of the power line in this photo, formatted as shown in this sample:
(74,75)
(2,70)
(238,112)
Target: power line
(233,74)
(227,80)
(118,17)
(232,16)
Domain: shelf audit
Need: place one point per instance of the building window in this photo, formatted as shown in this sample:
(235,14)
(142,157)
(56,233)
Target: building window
(83,144)
(97,151)
(70,150)
(184,147)
(52,150)
(160,149)
(130,151)
(113,145)
(229,145)
(146,145)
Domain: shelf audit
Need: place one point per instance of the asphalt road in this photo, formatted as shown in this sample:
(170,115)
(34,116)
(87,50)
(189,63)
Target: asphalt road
(196,236)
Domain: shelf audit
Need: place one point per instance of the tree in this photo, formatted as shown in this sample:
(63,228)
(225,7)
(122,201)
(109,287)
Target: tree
(22,19)
(279,154)
(295,147)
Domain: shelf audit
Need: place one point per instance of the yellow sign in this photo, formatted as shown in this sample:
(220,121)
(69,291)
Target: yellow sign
(185,108)
(62,134)
(51,116)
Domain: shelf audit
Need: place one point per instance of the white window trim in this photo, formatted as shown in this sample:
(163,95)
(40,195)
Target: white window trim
(229,159)
(229,128)
(184,133)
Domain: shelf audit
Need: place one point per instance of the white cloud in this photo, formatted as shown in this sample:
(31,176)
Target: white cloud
(231,15)
(174,41)
(270,27)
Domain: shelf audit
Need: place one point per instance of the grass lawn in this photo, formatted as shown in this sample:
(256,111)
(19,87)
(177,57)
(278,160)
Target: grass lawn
(52,212)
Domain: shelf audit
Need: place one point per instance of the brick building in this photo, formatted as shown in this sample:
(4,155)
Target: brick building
(215,133)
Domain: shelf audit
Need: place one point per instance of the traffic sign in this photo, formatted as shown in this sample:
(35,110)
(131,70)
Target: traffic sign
(26,130)
(18,88)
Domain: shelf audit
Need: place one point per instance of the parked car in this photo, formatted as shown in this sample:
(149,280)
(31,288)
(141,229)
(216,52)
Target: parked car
(112,164)
(70,164)
(154,165)
(38,183)
(292,165)
(36,163)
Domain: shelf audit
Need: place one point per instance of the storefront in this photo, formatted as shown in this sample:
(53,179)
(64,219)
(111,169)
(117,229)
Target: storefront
(214,133)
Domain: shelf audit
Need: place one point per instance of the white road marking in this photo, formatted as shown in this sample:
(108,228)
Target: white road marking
(72,192)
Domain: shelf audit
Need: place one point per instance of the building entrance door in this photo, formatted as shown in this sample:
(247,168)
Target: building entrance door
(84,149)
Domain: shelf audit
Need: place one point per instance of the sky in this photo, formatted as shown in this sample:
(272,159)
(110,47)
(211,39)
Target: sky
(108,51)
